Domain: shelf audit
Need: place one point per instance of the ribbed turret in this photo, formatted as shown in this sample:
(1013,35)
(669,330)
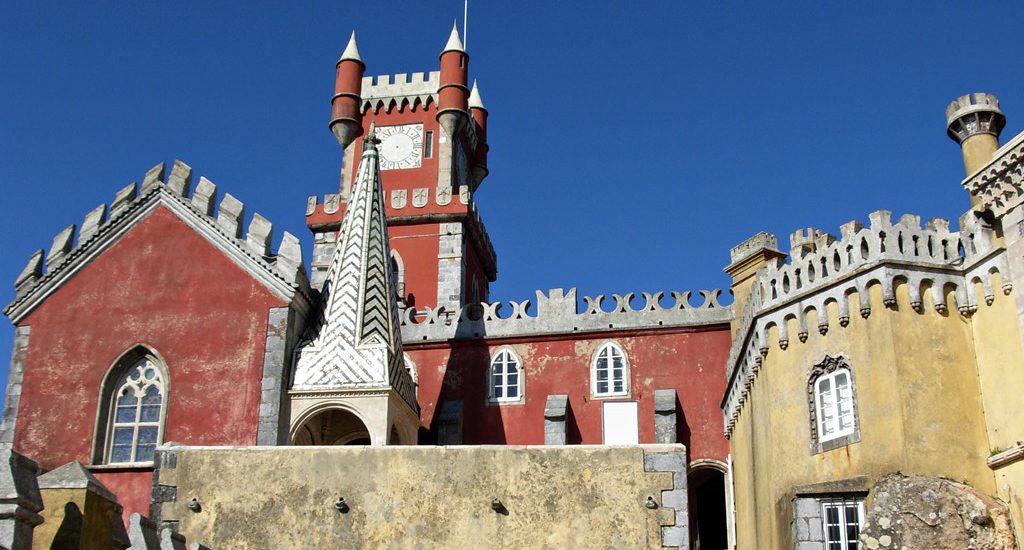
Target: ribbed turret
(479,115)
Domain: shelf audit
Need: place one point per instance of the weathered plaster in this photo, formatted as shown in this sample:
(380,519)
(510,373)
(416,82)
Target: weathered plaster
(556,497)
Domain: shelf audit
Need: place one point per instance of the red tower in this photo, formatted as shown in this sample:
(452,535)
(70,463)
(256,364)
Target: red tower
(433,158)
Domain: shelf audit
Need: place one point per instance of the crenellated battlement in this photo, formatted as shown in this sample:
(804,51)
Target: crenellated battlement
(391,90)
(936,265)
(559,312)
(104,224)
(818,259)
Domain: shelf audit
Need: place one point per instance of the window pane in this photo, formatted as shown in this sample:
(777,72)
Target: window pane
(144,453)
(602,375)
(150,413)
(602,387)
(125,414)
(121,453)
(147,435)
(512,367)
(513,392)
(123,436)
(152,396)
(513,380)
(618,385)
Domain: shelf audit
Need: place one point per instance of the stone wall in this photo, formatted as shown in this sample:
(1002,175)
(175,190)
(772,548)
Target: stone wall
(442,497)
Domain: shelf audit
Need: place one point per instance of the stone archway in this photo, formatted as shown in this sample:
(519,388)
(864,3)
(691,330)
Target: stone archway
(709,515)
(332,426)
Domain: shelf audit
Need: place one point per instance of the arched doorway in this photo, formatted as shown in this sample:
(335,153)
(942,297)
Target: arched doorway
(334,426)
(709,527)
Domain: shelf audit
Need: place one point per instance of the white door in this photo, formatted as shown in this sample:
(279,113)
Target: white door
(620,426)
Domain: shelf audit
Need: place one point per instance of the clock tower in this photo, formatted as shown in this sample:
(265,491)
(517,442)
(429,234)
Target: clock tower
(433,157)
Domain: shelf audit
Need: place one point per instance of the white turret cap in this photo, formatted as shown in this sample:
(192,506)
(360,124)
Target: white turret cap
(474,98)
(351,51)
(454,42)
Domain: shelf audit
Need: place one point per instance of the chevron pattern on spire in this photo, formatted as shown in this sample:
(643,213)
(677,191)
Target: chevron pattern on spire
(355,338)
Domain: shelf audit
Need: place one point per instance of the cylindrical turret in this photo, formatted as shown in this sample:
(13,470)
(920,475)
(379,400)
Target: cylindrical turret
(479,114)
(346,105)
(975,121)
(453,93)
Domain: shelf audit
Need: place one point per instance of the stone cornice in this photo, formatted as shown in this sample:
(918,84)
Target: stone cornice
(1007,457)
(885,254)
(1000,184)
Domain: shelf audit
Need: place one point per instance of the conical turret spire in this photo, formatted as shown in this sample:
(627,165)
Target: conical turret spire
(454,42)
(355,339)
(474,98)
(351,51)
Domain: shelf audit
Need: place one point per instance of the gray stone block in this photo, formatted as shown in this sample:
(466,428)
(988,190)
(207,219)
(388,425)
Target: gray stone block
(60,247)
(205,196)
(20,500)
(91,225)
(180,180)
(154,177)
(122,199)
(675,537)
(30,275)
(664,462)
(259,235)
(230,216)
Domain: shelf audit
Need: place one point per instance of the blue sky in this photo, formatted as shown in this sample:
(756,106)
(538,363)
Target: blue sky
(632,143)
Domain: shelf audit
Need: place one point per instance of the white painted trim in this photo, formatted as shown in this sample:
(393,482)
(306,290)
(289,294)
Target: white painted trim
(626,372)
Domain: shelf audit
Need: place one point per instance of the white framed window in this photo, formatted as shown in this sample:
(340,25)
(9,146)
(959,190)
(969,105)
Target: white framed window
(609,372)
(505,378)
(841,519)
(834,405)
(137,410)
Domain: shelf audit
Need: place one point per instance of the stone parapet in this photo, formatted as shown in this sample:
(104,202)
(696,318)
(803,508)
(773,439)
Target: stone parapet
(558,312)
(931,259)
(250,248)
(389,91)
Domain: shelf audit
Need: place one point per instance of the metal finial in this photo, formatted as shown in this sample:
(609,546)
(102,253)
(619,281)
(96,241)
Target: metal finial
(370,140)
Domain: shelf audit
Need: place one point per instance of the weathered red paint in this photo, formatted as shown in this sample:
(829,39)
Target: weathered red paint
(165,286)
(687,360)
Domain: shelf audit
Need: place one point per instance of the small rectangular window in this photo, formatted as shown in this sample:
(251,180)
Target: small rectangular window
(428,145)
(841,521)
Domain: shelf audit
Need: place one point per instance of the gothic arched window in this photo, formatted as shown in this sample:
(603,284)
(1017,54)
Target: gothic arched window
(505,382)
(609,372)
(832,405)
(135,396)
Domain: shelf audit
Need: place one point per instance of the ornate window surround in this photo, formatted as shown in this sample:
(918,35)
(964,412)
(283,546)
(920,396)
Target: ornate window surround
(139,356)
(511,358)
(828,365)
(612,347)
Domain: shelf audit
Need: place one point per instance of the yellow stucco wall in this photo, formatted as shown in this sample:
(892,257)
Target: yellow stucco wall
(67,511)
(420,497)
(1001,373)
(918,401)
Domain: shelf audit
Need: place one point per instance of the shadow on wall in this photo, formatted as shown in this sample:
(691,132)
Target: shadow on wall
(69,533)
(464,387)
(682,426)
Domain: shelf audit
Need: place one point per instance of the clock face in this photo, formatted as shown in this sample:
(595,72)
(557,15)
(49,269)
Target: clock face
(401,146)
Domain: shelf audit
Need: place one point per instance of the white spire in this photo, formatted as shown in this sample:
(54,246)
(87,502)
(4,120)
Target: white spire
(352,50)
(354,338)
(474,98)
(454,43)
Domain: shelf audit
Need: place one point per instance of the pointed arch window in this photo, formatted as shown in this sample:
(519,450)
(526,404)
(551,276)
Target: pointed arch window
(135,404)
(505,378)
(398,269)
(609,372)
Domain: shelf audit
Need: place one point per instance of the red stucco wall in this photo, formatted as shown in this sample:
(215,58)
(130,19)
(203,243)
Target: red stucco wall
(163,285)
(690,361)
